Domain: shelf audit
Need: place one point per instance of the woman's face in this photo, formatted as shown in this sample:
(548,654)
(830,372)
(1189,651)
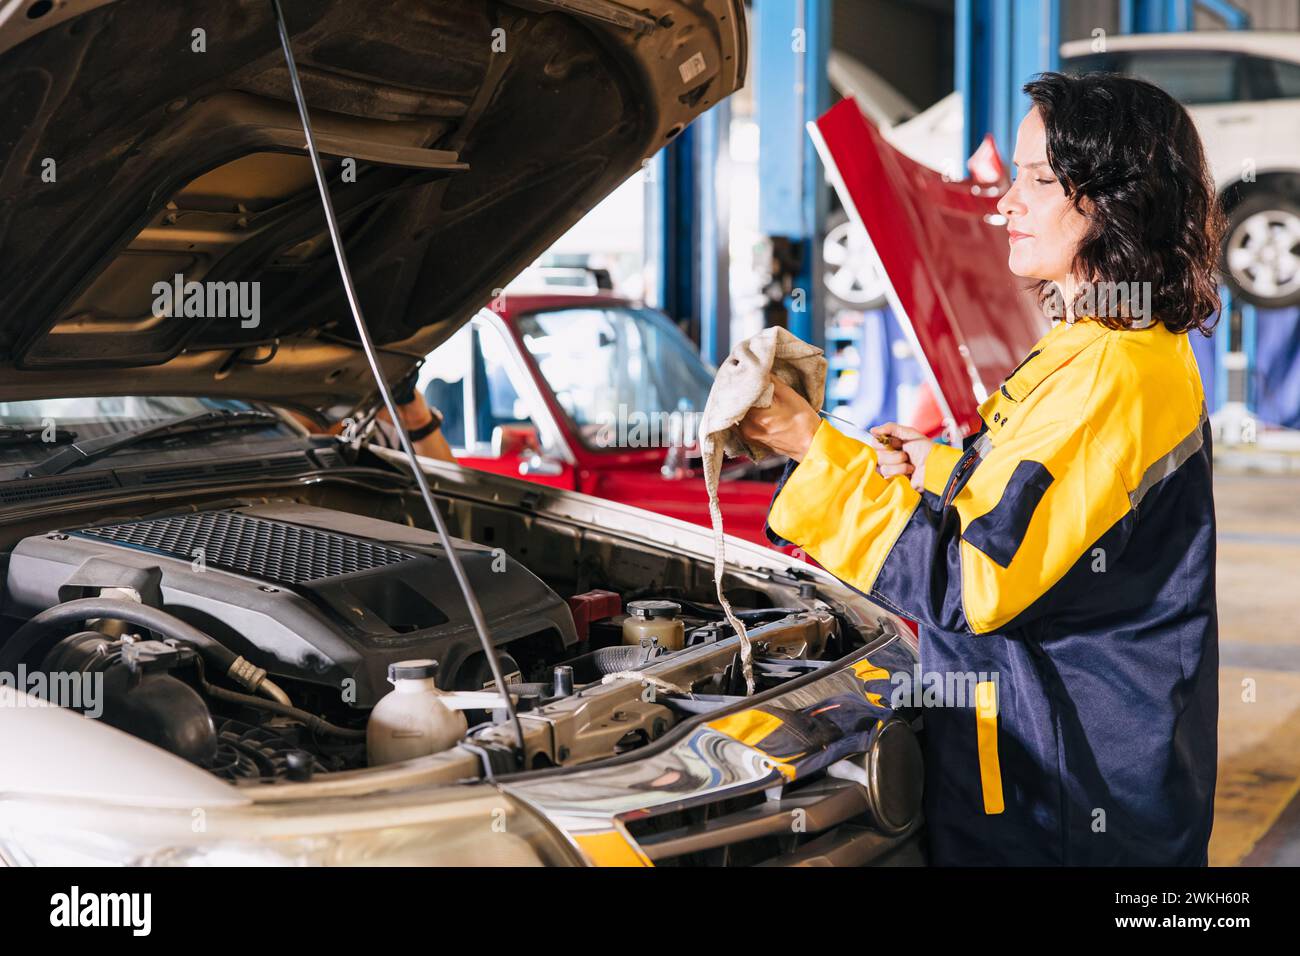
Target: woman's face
(1042,224)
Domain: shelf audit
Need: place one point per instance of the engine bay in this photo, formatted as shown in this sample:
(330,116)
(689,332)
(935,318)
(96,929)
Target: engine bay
(260,639)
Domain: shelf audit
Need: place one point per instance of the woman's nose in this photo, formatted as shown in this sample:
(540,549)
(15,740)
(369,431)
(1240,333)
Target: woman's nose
(1009,204)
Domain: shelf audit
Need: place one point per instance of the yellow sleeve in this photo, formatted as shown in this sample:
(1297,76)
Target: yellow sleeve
(838,508)
(1032,509)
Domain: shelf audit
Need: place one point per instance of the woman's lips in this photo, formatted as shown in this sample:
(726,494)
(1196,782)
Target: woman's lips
(1017,236)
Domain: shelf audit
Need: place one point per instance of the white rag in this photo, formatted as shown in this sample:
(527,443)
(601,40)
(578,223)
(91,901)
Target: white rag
(744,382)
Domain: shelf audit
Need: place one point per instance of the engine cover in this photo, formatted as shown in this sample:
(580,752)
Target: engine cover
(307,593)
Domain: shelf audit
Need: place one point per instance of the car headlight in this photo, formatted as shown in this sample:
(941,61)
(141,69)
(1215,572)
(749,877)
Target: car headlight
(452,826)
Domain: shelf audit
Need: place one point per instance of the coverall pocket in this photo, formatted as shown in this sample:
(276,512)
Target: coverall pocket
(999,532)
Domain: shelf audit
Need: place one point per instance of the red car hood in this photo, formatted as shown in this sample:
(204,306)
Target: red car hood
(943,248)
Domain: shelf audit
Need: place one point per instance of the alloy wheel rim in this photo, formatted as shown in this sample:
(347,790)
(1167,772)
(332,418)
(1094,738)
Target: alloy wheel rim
(851,273)
(1263,253)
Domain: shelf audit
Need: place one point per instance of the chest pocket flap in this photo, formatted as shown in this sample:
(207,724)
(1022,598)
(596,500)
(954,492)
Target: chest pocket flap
(999,532)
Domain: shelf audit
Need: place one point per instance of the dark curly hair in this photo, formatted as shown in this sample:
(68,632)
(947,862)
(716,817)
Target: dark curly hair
(1132,163)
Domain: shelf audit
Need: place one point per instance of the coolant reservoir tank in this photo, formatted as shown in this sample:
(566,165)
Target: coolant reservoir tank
(411,720)
(657,619)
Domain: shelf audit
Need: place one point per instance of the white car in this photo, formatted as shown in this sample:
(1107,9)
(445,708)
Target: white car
(1242,89)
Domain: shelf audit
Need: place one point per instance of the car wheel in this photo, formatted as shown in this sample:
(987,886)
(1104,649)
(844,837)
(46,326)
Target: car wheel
(851,276)
(1261,254)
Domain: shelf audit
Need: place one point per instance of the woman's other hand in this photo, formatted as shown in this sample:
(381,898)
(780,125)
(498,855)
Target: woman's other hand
(901,450)
(786,426)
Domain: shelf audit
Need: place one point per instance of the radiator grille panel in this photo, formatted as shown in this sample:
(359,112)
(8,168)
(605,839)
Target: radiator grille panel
(273,551)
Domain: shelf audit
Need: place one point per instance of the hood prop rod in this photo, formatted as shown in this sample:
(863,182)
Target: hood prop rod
(336,238)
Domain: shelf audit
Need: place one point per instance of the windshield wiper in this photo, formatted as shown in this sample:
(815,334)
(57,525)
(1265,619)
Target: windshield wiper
(33,435)
(93,448)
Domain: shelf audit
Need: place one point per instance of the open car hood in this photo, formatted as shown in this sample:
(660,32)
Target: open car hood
(147,139)
(942,246)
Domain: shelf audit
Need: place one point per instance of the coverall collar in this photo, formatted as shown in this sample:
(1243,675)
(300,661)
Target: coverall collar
(1053,351)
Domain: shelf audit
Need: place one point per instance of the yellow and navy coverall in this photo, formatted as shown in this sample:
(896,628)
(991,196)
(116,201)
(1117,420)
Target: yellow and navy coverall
(1062,565)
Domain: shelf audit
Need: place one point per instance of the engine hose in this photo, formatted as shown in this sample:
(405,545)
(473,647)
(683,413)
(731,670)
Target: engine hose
(317,724)
(221,658)
(619,657)
(269,688)
(26,638)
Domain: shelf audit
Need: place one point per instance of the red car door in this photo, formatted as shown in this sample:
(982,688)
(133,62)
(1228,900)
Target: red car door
(560,340)
(493,418)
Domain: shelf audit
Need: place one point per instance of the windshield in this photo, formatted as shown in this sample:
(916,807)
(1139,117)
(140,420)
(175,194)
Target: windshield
(613,369)
(38,429)
(111,414)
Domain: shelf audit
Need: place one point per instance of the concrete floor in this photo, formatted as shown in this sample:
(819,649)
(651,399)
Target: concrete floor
(1257,803)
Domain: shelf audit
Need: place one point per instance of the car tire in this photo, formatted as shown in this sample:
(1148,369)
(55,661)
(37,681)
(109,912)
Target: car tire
(853,281)
(1260,260)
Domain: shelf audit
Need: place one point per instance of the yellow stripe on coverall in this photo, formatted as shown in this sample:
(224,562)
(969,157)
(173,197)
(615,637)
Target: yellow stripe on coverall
(986,736)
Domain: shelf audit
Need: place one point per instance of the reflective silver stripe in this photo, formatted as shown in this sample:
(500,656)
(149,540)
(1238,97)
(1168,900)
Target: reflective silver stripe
(1171,462)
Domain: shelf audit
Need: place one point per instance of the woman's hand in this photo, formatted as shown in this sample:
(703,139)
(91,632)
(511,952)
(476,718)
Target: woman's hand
(901,450)
(786,426)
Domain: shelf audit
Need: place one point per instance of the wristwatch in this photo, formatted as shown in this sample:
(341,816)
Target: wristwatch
(424,431)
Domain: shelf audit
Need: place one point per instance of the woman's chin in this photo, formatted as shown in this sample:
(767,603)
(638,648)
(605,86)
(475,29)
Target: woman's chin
(1021,266)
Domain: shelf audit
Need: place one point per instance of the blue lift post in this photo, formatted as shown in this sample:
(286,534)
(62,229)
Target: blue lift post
(713,290)
(792,47)
(1156,16)
(687,232)
(1001,44)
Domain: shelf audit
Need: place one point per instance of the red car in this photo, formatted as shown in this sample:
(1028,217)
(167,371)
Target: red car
(592,393)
